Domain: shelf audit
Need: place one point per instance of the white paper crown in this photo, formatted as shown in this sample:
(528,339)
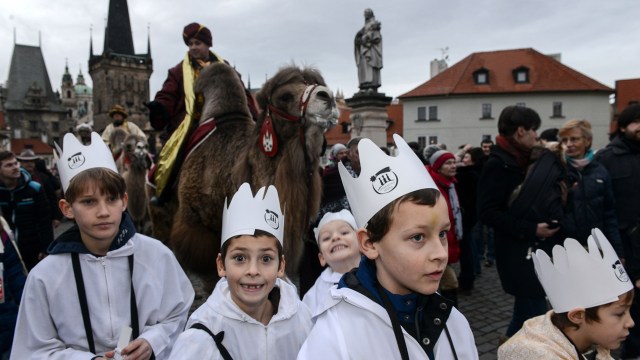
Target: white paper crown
(246,213)
(580,279)
(74,157)
(343,215)
(383,178)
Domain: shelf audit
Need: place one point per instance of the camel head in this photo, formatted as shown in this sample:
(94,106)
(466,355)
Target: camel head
(296,101)
(136,147)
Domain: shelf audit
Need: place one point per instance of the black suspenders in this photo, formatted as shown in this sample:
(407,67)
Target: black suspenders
(217,338)
(84,306)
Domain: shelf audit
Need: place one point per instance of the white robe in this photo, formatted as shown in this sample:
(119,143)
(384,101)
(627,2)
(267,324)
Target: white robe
(319,293)
(50,322)
(355,327)
(244,337)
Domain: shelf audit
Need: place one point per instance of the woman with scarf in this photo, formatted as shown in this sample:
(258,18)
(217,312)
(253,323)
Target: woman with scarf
(503,172)
(442,168)
(591,202)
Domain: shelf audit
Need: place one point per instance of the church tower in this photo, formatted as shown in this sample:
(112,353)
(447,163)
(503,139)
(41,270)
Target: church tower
(120,76)
(67,93)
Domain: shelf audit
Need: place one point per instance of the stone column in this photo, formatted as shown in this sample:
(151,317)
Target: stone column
(369,116)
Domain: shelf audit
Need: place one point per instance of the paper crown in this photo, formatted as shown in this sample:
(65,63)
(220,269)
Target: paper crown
(76,157)
(383,178)
(246,213)
(580,279)
(343,215)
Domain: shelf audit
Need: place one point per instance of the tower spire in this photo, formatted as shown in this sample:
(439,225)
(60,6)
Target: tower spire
(148,40)
(90,41)
(118,37)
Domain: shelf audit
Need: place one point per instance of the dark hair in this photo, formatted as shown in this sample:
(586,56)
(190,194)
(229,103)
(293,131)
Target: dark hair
(630,114)
(6,155)
(561,320)
(486,141)
(512,117)
(105,180)
(477,155)
(379,224)
(549,134)
(257,233)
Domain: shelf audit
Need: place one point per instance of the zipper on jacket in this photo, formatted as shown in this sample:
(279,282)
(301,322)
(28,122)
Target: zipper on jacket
(106,283)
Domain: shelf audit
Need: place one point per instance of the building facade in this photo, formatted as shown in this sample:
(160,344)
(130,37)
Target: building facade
(76,98)
(462,104)
(119,75)
(32,109)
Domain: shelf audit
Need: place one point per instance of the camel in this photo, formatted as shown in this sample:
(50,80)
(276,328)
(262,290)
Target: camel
(283,148)
(133,162)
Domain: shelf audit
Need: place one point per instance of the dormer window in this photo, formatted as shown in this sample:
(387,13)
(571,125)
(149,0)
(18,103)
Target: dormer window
(481,76)
(521,75)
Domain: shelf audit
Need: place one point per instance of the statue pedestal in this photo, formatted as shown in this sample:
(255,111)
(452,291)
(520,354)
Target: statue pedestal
(369,116)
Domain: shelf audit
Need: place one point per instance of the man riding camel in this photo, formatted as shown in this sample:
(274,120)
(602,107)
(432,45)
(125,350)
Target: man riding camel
(175,109)
(119,116)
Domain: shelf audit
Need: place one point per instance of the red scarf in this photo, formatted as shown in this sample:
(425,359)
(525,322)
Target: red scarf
(511,146)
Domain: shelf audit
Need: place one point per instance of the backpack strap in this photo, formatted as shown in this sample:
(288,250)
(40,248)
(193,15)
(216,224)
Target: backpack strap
(217,338)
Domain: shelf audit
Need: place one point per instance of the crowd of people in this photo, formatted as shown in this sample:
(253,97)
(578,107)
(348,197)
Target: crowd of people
(559,219)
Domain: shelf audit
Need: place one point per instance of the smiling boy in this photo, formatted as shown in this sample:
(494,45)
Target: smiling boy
(388,308)
(100,276)
(339,251)
(252,313)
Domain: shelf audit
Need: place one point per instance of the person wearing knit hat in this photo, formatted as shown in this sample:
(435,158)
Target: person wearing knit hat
(167,112)
(339,152)
(442,169)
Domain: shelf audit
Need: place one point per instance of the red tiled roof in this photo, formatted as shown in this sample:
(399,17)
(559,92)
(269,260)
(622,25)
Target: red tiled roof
(38,147)
(627,91)
(545,74)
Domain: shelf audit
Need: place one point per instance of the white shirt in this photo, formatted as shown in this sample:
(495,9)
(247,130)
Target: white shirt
(355,327)
(319,293)
(50,324)
(244,337)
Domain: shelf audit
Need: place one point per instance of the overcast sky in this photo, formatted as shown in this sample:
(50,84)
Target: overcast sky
(596,37)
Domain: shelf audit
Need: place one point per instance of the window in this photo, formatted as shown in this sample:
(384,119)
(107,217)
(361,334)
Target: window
(68,94)
(521,75)
(33,125)
(433,113)
(557,109)
(422,113)
(422,141)
(55,126)
(481,76)
(345,127)
(433,140)
(486,111)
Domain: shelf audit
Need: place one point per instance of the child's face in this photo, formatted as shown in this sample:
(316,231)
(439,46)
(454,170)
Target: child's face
(412,256)
(98,217)
(338,244)
(251,267)
(613,327)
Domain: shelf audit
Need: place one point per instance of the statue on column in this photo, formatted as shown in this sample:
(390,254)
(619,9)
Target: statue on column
(368,53)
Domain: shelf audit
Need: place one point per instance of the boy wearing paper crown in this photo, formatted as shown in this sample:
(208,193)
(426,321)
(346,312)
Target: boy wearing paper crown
(591,295)
(339,251)
(100,276)
(252,313)
(388,308)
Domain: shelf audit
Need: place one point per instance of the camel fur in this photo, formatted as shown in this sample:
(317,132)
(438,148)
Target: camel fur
(231,155)
(133,164)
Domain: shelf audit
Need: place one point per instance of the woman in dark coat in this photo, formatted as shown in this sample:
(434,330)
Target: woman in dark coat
(591,202)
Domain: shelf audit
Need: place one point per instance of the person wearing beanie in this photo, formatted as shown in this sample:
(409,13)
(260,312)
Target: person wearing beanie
(621,158)
(167,112)
(442,168)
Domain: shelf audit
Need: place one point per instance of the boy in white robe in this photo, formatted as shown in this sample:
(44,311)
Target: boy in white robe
(388,307)
(339,251)
(100,276)
(252,313)
(591,295)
